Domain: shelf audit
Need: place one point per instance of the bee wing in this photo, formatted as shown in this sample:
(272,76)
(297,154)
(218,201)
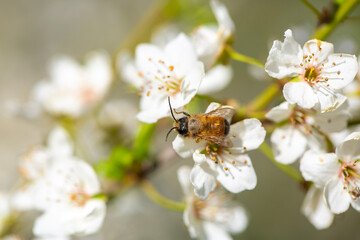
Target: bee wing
(224,142)
(226,112)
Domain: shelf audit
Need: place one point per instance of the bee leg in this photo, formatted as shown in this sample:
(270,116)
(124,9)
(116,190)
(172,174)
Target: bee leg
(185,113)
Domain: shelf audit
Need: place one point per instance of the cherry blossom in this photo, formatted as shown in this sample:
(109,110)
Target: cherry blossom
(321,73)
(338,174)
(72,89)
(229,166)
(215,218)
(302,129)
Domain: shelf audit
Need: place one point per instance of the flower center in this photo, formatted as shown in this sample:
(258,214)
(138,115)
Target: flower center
(79,198)
(311,74)
(351,177)
(163,79)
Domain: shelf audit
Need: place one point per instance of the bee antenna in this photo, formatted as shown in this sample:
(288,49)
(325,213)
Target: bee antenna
(172,114)
(167,135)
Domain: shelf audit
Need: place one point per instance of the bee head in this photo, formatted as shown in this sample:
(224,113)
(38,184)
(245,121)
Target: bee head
(181,126)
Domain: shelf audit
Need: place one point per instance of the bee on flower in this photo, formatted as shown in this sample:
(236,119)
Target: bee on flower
(226,164)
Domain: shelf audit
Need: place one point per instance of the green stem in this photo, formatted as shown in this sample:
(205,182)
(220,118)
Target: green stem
(159,199)
(288,169)
(245,59)
(344,10)
(312,8)
(142,140)
(264,98)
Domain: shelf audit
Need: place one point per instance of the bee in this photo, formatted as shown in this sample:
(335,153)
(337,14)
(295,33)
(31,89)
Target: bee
(212,127)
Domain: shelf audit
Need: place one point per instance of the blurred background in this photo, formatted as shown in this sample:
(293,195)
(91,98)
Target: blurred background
(32,32)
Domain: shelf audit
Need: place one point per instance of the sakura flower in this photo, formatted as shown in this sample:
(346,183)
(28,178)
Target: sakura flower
(215,218)
(352,92)
(315,209)
(321,73)
(171,72)
(34,166)
(229,166)
(71,208)
(303,129)
(72,89)
(337,173)
(210,42)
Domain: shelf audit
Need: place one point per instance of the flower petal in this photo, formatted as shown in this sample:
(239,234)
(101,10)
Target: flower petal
(239,174)
(340,70)
(128,71)
(215,232)
(350,148)
(319,167)
(336,196)
(153,107)
(319,50)
(181,54)
(236,219)
(315,209)
(222,15)
(203,180)
(183,174)
(328,99)
(284,58)
(216,79)
(288,144)
(247,135)
(280,112)
(185,147)
(300,93)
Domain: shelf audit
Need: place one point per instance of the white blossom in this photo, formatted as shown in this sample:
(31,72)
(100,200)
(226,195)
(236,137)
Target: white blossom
(215,218)
(315,209)
(229,166)
(72,89)
(302,129)
(321,73)
(338,174)
(210,42)
(172,71)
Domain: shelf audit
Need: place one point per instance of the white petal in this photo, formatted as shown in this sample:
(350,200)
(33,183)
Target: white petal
(183,174)
(284,58)
(215,232)
(59,143)
(280,112)
(247,135)
(300,93)
(342,73)
(239,176)
(331,121)
(288,144)
(72,220)
(328,99)
(189,85)
(336,197)
(315,209)
(236,219)
(216,79)
(203,180)
(222,15)
(185,147)
(65,71)
(181,53)
(128,71)
(314,46)
(193,224)
(319,167)
(98,72)
(350,147)
(355,203)
(153,107)
(146,55)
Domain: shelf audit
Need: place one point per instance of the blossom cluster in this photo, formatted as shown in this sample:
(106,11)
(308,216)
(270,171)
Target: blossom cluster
(314,111)
(320,95)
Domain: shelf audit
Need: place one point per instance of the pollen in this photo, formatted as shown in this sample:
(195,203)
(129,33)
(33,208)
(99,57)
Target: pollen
(226,169)
(140,74)
(171,68)
(245,161)
(338,73)
(148,93)
(233,162)
(244,148)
